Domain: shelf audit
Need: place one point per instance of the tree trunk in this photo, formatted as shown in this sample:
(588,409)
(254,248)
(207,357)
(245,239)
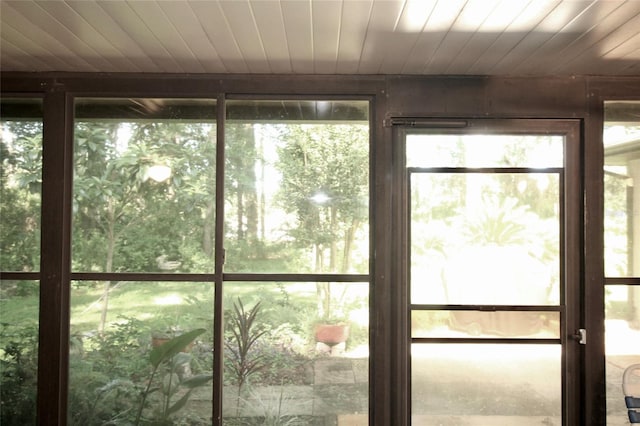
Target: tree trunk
(207,229)
(349,236)
(111,243)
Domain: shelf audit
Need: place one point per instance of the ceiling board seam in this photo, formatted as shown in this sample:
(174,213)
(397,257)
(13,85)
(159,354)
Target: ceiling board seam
(313,50)
(91,65)
(442,39)
(185,42)
(26,55)
(233,36)
(466,43)
(633,64)
(596,42)
(37,46)
(515,46)
(49,37)
(286,35)
(262,48)
(415,41)
(211,42)
(504,31)
(206,34)
(366,35)
(82,41)
(339,39)
(126,33)
(622,42)
(556,34)
(399,17)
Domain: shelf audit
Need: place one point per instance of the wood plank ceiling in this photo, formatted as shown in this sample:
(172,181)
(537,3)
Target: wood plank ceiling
(463,37)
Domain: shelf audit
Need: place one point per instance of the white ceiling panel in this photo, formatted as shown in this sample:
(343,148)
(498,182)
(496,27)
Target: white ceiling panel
(298,28)
(219,33)
(406,32)
(610,46)
(516,32)
(466,25)
(239,15)
(30,20)
(379,39)
(456,37)
(18,47)
(439,21)
(353,30)
(326,20)
(551,52)
(495,24)
(270,24)
(122,34)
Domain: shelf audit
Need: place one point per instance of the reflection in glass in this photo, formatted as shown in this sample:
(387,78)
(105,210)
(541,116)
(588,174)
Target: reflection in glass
(144,185)
(297,186)
(535,151)
(19,302)
(621,182)
(20,184)
(622,344)
(486,384)
(485,238)
(301,365)
(461,323)
(111,361)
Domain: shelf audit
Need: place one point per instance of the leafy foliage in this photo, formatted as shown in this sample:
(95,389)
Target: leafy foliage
(241,325)
(18,366)
(20,187)
(171,356)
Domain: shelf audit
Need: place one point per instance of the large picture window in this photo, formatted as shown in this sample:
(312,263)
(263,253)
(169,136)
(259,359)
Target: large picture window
(219,277)
(143,240)
(621,140)
(21,195)
(296,262)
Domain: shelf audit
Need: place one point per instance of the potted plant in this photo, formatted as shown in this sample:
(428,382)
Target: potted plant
(331,329)
(169,360)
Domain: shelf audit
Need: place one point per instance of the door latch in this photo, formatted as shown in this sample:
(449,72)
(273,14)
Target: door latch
(581,336)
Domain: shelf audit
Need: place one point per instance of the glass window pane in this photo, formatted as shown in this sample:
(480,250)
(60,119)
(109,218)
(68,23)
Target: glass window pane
(531,324)
(19,302)
(485,238)
(297,186)
(144,185)
(299,367)
(486,384)
(113,352)
(621,188)
(537,151)
(21,181)
(622,347)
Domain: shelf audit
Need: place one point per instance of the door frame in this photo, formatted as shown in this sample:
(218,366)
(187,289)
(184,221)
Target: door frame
(571,250)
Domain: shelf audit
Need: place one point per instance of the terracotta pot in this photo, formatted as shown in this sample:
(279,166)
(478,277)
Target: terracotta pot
(158,341)
(331,334)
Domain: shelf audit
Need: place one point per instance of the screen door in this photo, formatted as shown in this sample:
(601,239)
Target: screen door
(492,272)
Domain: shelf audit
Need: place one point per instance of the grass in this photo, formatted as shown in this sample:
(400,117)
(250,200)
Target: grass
(20,309)
(168,305)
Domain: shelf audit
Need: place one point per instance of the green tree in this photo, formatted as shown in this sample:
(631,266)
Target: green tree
(325,184)
(129,220)
(20,186)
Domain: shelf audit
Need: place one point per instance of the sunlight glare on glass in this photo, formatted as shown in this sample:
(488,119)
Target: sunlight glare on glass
(320,198)
(159,172)
(170,299)
(123,136)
